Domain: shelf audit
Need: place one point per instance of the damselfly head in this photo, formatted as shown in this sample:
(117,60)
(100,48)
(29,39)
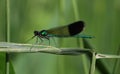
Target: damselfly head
(36,33)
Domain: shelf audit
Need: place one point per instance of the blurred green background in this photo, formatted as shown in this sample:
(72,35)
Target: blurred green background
(102,20)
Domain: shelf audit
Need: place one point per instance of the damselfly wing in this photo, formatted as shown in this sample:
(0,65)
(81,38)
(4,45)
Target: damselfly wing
(64,31)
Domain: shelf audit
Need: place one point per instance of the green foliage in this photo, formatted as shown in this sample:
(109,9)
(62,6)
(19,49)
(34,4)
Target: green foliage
(102,21)
(2,63)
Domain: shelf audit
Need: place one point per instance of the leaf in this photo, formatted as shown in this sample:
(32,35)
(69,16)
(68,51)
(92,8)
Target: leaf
(2,63)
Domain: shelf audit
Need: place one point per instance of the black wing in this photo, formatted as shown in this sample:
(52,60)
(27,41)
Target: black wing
(68,30)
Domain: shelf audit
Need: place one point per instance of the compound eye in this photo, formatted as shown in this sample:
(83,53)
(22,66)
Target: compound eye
(36,33)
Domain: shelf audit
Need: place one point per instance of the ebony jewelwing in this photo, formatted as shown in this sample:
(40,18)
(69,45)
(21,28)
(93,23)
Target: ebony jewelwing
(70,30)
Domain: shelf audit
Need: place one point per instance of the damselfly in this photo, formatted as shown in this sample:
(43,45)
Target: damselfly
(70,30)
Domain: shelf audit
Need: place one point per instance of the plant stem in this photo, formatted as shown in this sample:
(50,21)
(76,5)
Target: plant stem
(21,48)
(8,33)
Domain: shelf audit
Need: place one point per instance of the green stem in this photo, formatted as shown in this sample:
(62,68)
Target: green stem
(75,9)
(8,34)
(92,67)
(79,41)
(8,20)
